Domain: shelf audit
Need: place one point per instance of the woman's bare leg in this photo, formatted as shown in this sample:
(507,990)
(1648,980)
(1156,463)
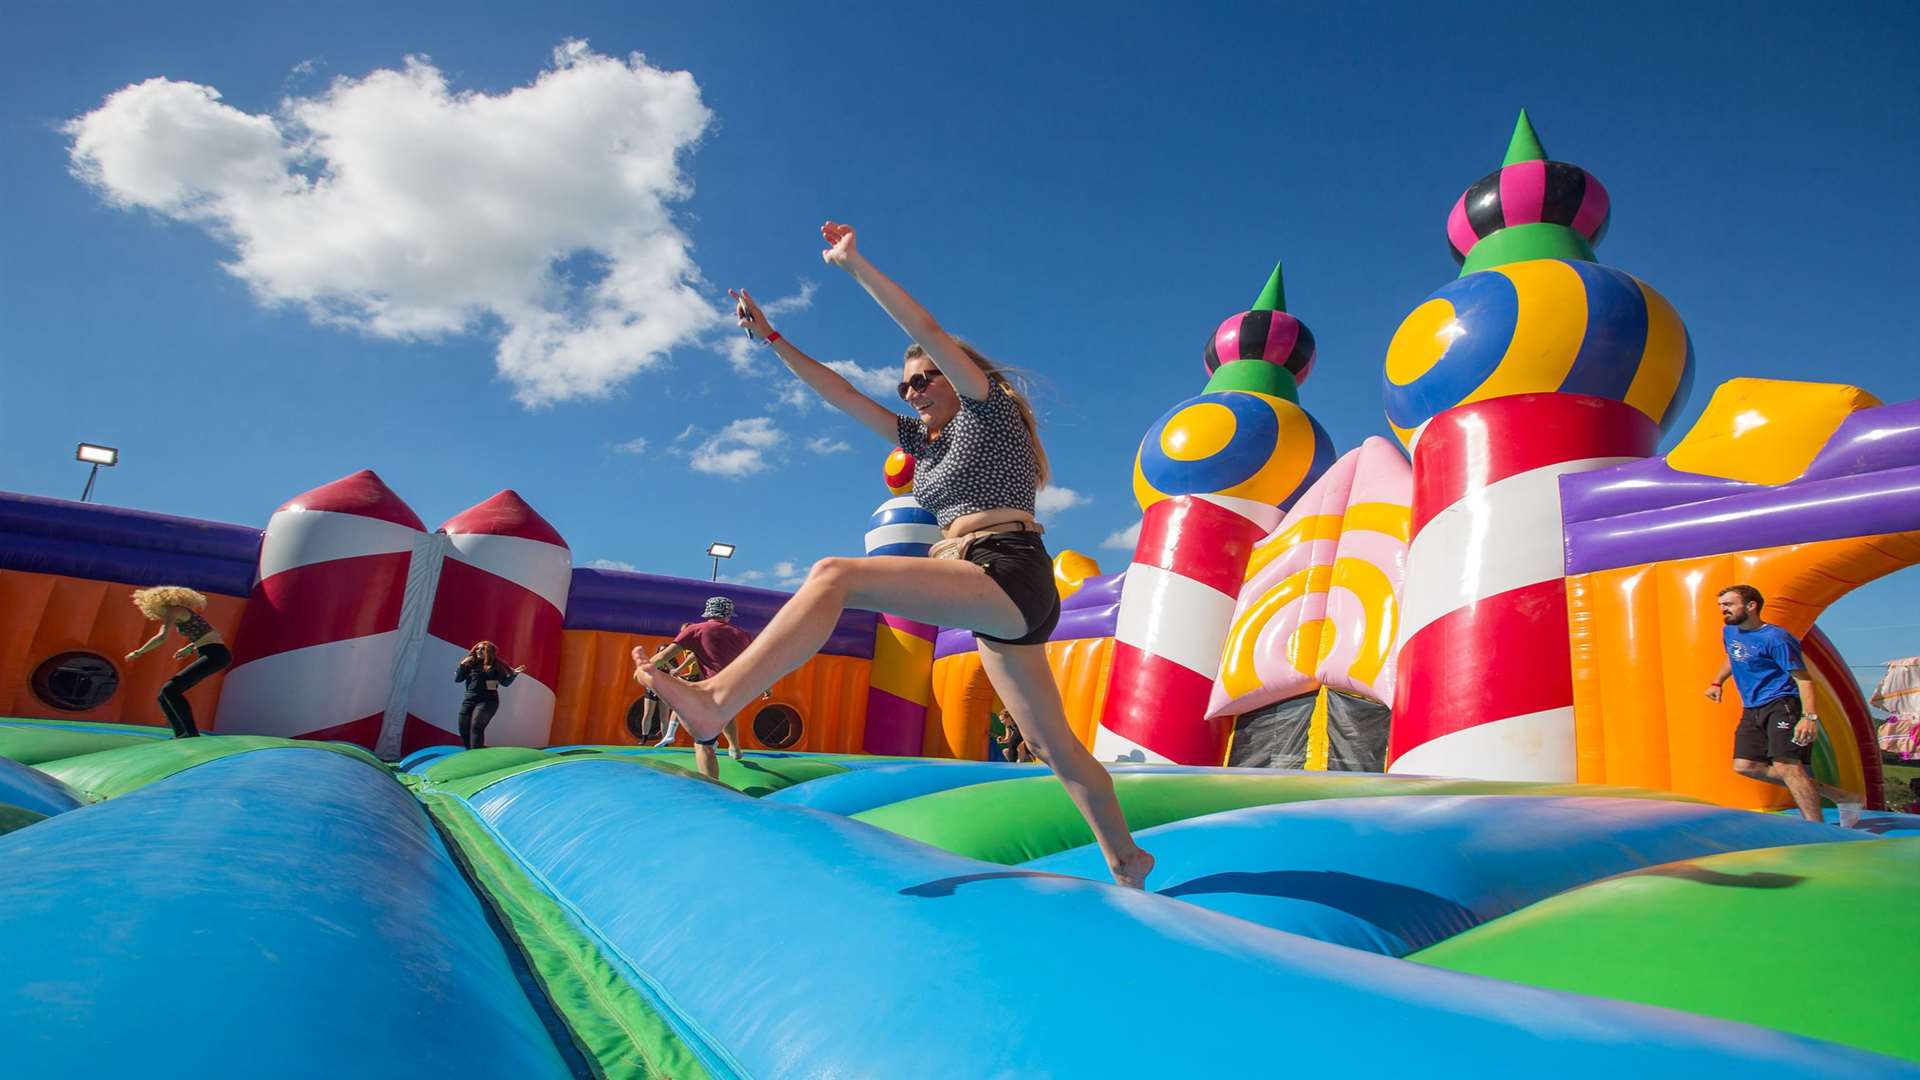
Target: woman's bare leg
(1025,682)
(946,592)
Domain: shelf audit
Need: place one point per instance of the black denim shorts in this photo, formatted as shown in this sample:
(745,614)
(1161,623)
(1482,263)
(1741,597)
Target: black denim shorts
(1766,733)
(1018,562)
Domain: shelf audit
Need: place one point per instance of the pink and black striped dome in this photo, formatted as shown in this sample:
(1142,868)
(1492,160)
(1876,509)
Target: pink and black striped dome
(1273,336)
(1529,193)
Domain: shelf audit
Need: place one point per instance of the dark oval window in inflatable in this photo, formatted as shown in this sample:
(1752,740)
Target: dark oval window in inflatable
(777,726)
(75,681)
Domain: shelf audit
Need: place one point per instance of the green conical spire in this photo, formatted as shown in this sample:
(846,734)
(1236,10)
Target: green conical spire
(1520,243)
(1525,145)
(1274,296)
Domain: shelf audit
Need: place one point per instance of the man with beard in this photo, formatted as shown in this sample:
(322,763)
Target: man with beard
(1778,723)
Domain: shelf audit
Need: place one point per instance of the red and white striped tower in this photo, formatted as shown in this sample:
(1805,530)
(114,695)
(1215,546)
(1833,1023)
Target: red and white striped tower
(315,654)
(1176,607)
(1485,686)
(503,577)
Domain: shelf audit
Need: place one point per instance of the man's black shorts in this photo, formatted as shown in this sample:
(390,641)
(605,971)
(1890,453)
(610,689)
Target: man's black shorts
(1766,733)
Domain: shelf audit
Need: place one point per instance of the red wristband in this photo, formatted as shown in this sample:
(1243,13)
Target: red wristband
(773,337)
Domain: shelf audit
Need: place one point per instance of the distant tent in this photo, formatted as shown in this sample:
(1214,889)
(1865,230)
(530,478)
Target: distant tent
(1899,694)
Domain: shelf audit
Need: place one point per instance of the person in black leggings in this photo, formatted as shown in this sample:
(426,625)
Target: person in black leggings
(484,674)
(179,607)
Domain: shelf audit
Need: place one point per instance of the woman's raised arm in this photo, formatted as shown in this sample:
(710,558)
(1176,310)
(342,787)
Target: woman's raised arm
(825,381)
(965,375)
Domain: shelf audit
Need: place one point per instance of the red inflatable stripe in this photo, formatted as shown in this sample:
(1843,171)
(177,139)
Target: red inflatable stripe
(1507,655)
(417,734)
(506,514)
(1198,540)
(362,493)
(330,601)
(1473,446)
(472,605)
(1145,691)
(362,732)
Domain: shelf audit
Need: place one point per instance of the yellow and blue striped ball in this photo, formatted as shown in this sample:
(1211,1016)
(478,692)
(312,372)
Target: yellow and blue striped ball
(1231,442)
(1539,326)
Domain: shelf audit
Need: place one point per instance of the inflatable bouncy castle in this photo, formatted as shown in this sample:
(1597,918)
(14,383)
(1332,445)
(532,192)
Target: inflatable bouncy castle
(1415,732)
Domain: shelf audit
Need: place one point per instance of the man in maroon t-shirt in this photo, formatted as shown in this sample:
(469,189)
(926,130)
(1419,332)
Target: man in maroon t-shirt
(714,643)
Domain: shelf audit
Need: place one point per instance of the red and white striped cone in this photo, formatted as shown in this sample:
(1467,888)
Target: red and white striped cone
(314,657)
(504,577)
(1485,686)
(1175,610)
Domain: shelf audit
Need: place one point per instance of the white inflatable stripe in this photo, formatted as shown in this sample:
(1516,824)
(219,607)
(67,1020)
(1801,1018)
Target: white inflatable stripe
(307,690)
(297,538)
(908,533)
(1262,514)
(526,708)
(538,567)
(1111,746)
(1175,618)
(1536,746)
(1497,539)
(416,608)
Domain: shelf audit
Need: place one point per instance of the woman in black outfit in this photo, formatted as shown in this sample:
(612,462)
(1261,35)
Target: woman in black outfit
(484,674)
(179,608)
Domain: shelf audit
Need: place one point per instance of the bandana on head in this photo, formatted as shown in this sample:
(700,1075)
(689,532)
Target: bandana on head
(718,607)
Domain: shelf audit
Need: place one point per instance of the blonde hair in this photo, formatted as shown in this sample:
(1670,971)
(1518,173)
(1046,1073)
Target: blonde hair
(1014,382)
(154,602)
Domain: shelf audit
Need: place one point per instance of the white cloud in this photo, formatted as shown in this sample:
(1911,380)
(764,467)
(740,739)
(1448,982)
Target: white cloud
(631,446)
(784,574)
(881,382)
(795,395)
(1126,539)
(611,564)
(740,352)
(826,444)
(740,449)
(686,433)
(403,208)
(787,305)
(1052,500)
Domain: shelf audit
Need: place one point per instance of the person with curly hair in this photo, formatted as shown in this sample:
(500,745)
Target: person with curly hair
(483,674)
(179,607)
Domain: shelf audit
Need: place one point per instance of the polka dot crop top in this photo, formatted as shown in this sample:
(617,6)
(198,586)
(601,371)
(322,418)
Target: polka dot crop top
(983,459)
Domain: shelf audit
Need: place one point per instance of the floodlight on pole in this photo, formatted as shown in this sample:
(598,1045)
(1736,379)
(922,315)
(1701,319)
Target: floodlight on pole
(719,551)
(96,456)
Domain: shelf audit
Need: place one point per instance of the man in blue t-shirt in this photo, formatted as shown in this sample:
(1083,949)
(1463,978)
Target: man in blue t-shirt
(1777,724)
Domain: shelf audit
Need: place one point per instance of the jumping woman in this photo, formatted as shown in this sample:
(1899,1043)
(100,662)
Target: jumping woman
(179,607)
(980,462)
(484,675)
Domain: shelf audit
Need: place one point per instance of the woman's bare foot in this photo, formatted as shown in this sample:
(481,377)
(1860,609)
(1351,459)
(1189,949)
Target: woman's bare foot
(695,704)
(1132,870)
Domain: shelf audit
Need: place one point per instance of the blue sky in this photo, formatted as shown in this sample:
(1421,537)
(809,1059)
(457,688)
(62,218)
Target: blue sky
(1085,191)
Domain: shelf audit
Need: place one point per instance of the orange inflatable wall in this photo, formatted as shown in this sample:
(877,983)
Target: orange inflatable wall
(958,721)
(1646,641)
(50,614)
(596,688)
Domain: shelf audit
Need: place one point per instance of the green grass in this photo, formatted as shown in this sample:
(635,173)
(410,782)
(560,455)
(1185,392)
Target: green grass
(1899,796)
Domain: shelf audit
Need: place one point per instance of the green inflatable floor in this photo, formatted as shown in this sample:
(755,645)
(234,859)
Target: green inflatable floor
(1012,821)
(1806,939)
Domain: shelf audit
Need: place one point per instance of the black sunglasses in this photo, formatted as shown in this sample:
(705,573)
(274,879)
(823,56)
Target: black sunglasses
(918,383)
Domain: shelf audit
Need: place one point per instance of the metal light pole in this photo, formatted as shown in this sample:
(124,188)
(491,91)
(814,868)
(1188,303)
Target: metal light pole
(719,551)
(96,456)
